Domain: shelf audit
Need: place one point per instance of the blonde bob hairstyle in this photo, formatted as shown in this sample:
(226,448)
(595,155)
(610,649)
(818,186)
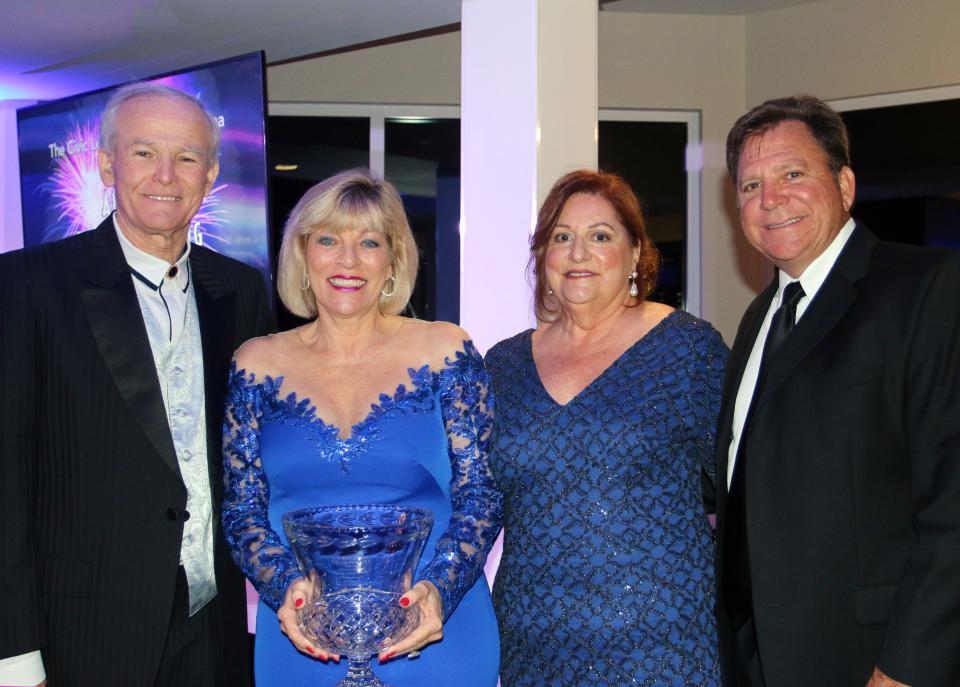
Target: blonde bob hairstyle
(354,199)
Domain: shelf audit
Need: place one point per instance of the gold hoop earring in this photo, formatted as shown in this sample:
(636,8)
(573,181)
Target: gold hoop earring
(393,287)
(305,282)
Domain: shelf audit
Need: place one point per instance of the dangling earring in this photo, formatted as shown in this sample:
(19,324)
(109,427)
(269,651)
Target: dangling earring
(393,287)
(305,282)
(633,284)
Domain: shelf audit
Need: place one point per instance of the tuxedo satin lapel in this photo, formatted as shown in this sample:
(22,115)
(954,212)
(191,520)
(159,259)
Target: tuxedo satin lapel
(113,311)
(834,298)
(215,310)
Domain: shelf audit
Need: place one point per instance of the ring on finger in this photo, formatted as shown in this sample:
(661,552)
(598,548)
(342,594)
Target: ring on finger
(415,653)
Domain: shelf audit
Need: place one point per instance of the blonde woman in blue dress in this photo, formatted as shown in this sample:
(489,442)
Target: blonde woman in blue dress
(362,405)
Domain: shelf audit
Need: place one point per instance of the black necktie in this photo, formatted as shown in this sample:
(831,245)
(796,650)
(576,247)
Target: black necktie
(782,323)
(736,569)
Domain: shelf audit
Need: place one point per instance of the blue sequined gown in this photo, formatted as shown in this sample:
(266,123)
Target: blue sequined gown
(426,446)
(607,570)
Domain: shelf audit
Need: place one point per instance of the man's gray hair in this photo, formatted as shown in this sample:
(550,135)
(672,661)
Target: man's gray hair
(145,89)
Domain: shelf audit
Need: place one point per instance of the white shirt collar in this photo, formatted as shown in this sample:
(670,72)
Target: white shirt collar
(150,266)
(816,273)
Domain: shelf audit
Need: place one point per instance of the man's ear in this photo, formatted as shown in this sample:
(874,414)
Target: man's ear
(105,161)
(212,176)
(848,187)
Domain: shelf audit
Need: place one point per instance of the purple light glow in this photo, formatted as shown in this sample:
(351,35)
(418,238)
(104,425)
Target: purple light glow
(75,187)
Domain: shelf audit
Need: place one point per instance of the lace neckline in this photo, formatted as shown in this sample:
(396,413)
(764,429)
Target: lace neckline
(300,411)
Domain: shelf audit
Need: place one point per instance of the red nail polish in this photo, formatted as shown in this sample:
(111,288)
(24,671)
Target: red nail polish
(387,657)
(298,603)
(310,649)
(322,659)
(404,601)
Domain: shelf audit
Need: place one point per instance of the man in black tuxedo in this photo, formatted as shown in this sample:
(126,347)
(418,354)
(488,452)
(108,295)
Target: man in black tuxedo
(114,352)
(838,557)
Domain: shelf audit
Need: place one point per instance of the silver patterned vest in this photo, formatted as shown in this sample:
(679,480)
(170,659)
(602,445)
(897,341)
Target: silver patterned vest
(179,366)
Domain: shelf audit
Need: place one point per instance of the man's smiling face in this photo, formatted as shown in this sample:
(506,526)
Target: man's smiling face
(159,166)
(791,203)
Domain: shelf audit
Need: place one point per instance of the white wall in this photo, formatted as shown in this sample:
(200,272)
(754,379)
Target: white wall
(845,48)
(719,65)
(11,221)
(422,71)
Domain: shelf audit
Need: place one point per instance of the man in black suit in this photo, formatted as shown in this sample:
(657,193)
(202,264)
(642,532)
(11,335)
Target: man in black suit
(838,446)
(114,352)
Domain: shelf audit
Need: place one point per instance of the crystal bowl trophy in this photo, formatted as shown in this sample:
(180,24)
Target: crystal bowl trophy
(358,560)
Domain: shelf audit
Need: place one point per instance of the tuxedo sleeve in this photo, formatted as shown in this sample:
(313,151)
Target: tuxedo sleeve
(21,625)
(922,641)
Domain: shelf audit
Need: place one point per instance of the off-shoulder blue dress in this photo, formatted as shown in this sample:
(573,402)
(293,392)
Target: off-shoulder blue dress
(606,577)
(426,445)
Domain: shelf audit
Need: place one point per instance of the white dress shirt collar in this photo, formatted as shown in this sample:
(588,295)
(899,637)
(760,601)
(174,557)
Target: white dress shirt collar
(154,269)
(816,273)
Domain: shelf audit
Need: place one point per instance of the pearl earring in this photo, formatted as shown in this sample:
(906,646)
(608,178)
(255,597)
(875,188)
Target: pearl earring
(634,291)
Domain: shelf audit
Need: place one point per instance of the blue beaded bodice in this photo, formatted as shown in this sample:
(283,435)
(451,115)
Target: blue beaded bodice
(426,444)
(607,570)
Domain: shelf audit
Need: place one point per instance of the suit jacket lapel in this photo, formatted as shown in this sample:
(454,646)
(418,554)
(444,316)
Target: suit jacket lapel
(736,364)
(832,300)
(113,311)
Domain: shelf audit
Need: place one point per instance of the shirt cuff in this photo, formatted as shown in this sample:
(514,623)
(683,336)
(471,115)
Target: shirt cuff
(25,670)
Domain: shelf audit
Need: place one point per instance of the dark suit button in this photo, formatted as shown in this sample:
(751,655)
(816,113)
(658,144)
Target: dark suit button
(186,515)
(172,513)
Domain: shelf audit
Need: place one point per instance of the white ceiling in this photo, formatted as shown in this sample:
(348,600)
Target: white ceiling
(54,48)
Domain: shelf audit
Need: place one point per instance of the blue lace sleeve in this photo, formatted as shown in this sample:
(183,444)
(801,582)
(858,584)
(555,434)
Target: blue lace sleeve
(477,505)
(256,548)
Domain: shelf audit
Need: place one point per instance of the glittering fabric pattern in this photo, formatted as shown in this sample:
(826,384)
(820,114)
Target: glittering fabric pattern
(607,569)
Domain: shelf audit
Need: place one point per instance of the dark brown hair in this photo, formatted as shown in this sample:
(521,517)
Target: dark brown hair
(616,191)
(824,124)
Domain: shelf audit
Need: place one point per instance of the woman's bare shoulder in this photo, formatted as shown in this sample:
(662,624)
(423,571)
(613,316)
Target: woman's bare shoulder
(265,353)
(654,312)
(437,341)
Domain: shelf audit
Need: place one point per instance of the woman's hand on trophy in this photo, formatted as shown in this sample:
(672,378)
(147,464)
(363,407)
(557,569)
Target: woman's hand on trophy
(296,597)
(426,598)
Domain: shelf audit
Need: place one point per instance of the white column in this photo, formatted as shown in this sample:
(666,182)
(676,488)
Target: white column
(11,219)
(528,114)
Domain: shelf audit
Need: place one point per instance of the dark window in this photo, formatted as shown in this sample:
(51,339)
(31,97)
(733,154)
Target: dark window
(651,156)
(423,162)
(906,159)
(319,147)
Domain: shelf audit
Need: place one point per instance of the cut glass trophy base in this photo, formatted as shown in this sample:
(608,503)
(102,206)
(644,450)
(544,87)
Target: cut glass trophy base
(361,675)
